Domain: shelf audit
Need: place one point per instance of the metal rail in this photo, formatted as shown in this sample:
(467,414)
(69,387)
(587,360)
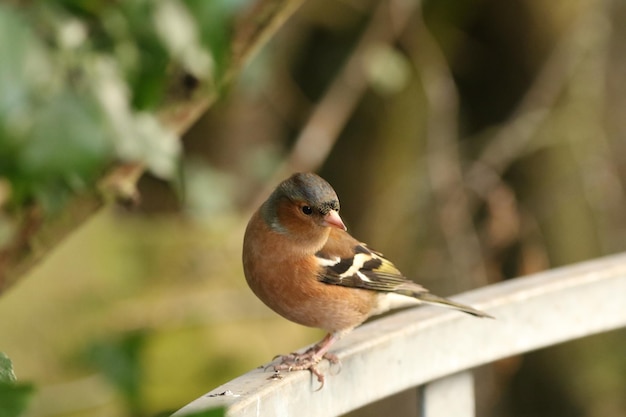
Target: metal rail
(433,348)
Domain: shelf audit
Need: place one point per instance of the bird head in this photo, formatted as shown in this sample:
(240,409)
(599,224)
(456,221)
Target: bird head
(303,204)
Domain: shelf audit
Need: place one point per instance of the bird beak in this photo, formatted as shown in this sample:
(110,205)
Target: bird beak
(332,219)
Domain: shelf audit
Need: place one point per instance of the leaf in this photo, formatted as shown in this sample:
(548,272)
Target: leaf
(21,61)
(119,360)
(215,20)
(64,150)
(67,138)
(13,397)
(6,369)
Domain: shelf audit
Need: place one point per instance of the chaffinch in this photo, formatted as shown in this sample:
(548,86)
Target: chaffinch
(301,262)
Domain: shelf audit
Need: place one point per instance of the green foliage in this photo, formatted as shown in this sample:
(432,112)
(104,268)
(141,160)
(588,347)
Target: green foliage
(119,360)
(6,369)
(81,81)
(14,397)
(215,30)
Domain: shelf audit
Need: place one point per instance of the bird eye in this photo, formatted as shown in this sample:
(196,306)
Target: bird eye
(307,210)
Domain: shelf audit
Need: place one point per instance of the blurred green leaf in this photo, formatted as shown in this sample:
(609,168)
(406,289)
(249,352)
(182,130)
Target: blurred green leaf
(21,61)
(6,369)
(63,151)
(215,20)
(148,78)
(21,80)
(13,397)
(68,138)
(119,360)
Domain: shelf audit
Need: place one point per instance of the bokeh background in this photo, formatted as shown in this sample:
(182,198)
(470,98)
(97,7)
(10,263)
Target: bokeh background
(470,141)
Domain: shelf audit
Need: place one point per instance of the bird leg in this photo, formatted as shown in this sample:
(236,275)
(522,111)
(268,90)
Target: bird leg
(310,358)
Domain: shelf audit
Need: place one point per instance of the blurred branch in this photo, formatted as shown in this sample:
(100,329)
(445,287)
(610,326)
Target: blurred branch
(187,99)
(588,142)
(564,71)
(332,112)
(443,159)
(513,139)
(257,26)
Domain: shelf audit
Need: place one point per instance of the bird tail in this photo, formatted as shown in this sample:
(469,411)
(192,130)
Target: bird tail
(429,298)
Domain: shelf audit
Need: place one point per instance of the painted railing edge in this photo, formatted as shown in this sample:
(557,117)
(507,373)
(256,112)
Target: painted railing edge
(413,347)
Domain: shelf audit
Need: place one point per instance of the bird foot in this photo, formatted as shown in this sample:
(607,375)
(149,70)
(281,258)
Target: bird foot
(307,360)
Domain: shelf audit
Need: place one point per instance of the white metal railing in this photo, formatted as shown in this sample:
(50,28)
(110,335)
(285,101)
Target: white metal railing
(434,348)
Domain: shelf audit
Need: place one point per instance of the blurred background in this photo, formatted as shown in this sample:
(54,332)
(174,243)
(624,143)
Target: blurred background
(470,141)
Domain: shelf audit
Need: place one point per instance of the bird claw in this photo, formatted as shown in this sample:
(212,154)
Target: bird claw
(306,361)
(333,360)
(335,363)
(319,375)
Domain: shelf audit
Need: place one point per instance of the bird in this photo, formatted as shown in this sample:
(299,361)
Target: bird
(299,259)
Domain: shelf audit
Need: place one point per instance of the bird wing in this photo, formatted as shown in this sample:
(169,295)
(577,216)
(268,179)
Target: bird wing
(346,261)
(360,267)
